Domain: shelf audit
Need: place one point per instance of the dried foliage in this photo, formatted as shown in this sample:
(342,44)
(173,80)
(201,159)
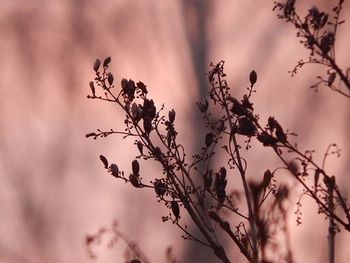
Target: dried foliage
(259,206)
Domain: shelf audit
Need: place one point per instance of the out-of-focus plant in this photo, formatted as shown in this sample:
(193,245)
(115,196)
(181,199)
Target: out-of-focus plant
(259,206)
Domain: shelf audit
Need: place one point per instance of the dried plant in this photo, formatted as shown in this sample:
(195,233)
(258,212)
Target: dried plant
(260,206)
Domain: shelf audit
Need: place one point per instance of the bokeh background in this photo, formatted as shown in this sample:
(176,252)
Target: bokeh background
(53,188)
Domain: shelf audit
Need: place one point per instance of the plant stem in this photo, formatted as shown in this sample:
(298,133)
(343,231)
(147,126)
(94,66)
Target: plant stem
(251,218)
(331,228)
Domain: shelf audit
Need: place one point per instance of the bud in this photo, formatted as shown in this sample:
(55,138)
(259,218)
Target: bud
(172,116)
(213,215)
(329,181)
(253,78)
(288,8)
(147,125)
(324,20)
(114,169)
(246,127)
(133,180)
(140,147)
(157,153)
(159,188)
(327,42)
(104,161)
(135,167)
(110,78)
(97,64)
(92,87)
(317,176)
(209,138)
(136,112)
(142,87)
(175,208)
(267,178)
(106,62)
(281,136)
(331,78)
(124,84)
(293,167)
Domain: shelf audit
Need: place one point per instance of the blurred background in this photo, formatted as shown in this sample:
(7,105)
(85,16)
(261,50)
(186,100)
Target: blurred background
(53,188)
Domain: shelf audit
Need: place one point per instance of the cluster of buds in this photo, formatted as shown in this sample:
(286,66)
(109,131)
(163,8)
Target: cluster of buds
(146,112)
(171,132)
(134,177)
(220,185)
(317,19)
(160,187)
(129,88)
(276,129)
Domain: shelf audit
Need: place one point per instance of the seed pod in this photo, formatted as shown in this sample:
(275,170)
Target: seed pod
(253,78)
(106,62)
(172,116)
(246,127)
(136,112)
(159,188)
(293,167)
(326,43)
(213,215)
(110,78)
(317,176)
(281,136)
(209,139)
(147,125)
(267,178)
(329,181)
(142,87)
(288,8)
(331,79)
(267,139)
(134,180)
(175,208)
(157,153)
(114,169)
(324,20)
(135,167)
(97,64)
(124,84)
(237,107)
(92,87)
(140,147)
(104,161)
(272,123)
